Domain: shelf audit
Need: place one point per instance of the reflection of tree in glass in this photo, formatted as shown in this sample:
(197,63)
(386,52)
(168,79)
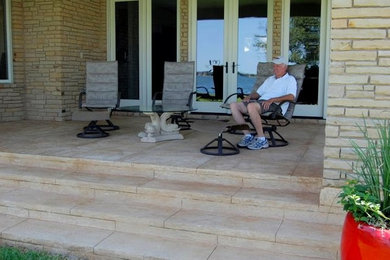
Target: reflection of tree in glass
(260,42)
(305,40)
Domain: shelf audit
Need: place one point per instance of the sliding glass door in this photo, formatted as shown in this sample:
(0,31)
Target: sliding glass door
(231,38)
(142,36)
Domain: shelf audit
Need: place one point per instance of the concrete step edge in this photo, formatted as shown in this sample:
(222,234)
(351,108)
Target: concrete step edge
(108,215)
(151,170)
(102,242)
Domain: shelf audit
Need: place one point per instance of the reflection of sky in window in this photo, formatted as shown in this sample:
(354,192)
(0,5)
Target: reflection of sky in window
(210,42)
(251,31)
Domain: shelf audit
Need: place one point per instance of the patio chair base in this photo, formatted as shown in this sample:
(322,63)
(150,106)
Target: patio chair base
(274,142)
(181,121)
(219,149)
(92,131)
(108,127)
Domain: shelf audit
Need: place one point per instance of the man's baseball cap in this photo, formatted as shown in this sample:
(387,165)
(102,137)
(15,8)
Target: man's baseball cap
(280,60)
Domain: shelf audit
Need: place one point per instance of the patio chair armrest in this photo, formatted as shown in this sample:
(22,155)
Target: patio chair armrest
(155,97)
(81,95)
(190,98)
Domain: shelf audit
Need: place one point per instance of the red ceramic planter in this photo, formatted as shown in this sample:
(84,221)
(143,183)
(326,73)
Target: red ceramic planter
(360,241)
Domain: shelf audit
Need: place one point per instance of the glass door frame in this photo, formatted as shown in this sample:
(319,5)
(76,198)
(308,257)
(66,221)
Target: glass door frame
(318,110)
(145,47)
(230,53)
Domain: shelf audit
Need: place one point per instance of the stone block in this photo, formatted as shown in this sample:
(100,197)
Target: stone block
(337,164)
(336,91)
(339,23)
(359,33)
(360,94)
(371,44)
(356,112)
(354,55)
(335,111)
(369,23)
(384,61)
(380,113)
(332,131)
(341,3)
(368,70)
(331,152)
(380,79)
(348,79)
(331,174)
(382,53)
(341,45)
(363,3)
(349,13)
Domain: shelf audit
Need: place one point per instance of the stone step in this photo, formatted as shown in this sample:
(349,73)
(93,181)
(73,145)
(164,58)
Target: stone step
(93,243)
(264,178)
(133,215)
(181,193)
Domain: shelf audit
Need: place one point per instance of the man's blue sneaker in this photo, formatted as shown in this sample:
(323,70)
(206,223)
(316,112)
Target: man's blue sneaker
(258,143)
(245,141)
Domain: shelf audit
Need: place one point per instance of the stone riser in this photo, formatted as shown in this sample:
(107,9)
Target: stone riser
(177,193)
(90,243)
(133,216)
(245,179)
(200,205)
(192,233)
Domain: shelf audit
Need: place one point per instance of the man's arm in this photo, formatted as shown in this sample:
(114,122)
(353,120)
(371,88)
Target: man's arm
(267,103)
(251,96)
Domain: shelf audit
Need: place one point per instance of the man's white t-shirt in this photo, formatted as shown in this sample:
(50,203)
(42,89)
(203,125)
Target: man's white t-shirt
(273,87)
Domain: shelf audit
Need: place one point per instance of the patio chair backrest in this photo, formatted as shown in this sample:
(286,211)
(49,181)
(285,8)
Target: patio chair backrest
(101,84)
(265,70)
(178,82)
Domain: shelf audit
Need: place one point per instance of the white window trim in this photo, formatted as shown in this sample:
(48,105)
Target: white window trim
(9,43)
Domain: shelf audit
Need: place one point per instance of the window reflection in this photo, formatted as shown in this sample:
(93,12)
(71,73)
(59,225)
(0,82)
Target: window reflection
(304,46)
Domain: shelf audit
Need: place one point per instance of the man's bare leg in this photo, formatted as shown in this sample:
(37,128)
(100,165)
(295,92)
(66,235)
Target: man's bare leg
(254,111)
(238,109)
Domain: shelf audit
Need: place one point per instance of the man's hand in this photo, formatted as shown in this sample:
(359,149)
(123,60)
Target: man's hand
(267,103)
(247,98)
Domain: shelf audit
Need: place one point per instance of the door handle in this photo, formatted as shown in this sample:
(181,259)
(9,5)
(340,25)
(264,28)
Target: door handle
(233,67)
(227,67)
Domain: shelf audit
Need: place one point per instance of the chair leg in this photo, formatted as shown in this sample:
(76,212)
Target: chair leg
(109,126)
(275,142)
(92,131)
(219,149)
(183,123)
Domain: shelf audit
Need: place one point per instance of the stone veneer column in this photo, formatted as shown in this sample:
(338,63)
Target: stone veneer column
(359,82)
(51,42)
(277,28)
(184,30)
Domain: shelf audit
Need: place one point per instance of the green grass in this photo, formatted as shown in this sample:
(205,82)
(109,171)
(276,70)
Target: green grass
(13,253)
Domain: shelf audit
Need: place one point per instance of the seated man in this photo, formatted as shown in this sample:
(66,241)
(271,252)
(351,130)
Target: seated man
(275,89)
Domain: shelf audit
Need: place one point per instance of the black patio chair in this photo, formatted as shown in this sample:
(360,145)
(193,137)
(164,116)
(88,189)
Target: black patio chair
(272,120)
(98,99)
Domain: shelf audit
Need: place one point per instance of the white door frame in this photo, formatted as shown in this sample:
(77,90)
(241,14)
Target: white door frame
(230,54)
(319,109)
(145,47)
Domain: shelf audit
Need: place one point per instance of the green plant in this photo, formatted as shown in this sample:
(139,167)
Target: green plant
(13,253)
(367,197)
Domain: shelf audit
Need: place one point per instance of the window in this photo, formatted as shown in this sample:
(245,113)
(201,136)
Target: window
(5,41)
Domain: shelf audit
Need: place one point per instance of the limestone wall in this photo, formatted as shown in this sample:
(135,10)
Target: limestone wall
(51,42)
(11,95)
(359,79)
